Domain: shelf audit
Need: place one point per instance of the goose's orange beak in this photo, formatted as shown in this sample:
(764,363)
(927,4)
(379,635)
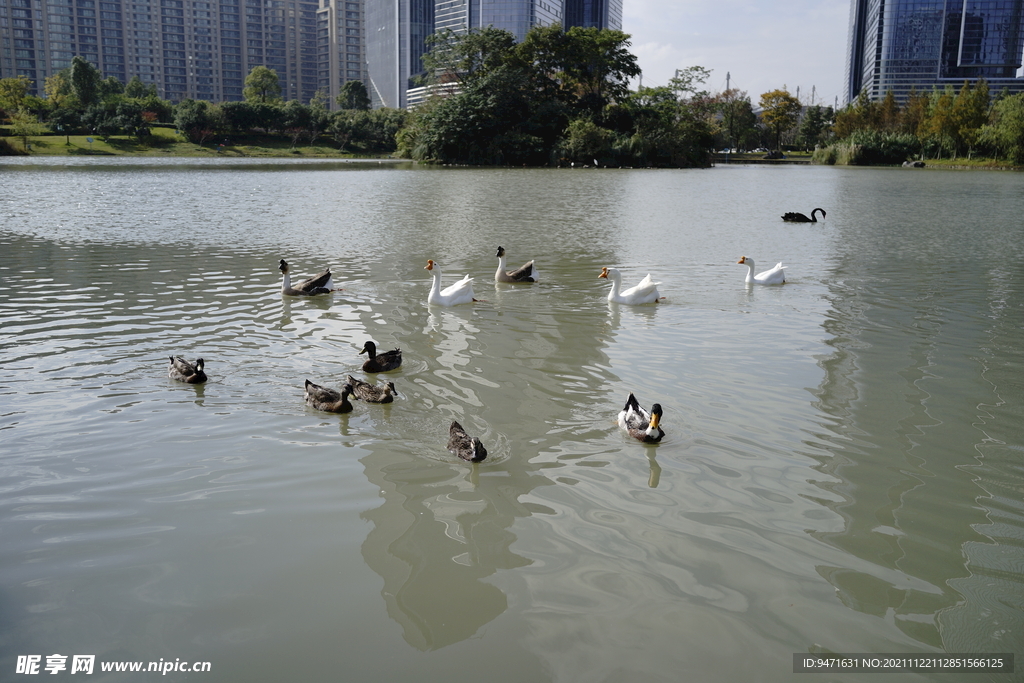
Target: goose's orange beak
(430,264)
(604,272)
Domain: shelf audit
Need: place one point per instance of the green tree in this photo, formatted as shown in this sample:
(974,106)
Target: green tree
(262,85)
(739,123)
(779,112)
(195,119)
(815,125)
(138,90)
(970,112)
(455,57)
(13,92)
(23,124)
(353,95)
(1006,132)
(85,81)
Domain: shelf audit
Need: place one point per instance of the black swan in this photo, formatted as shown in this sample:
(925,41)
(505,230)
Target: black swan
(797,217)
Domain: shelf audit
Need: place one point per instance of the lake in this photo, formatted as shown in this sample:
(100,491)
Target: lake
(841,472)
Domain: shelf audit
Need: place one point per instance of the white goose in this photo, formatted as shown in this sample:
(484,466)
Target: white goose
(775,276)
(644,293)
(459,293)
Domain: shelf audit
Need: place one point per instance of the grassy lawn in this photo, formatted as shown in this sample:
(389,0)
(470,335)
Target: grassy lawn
(164,142)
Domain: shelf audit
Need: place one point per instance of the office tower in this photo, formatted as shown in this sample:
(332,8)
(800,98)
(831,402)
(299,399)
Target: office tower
(396,40)
(341,44)
(515,16)
(200,49)
(593,14)
(901,45)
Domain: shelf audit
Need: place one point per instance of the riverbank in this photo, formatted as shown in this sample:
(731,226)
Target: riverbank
(165,142)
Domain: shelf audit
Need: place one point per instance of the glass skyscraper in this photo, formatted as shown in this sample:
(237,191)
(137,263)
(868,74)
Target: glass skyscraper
(901,45)
(593,14)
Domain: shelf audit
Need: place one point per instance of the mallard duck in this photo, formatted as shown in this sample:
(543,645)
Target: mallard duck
(328,400)
(463,445)
(383,362)
(525,272)
(775,276)
(639,423)
(183,371)
(459,293)
(318,284)
(797,217)
(644,293)
(372,394)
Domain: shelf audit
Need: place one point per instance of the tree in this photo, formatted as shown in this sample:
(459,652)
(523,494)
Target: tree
(1006,132)
(136,89)
(814,125)
(85,81)
(779,112)
(455,57)
(59,91)
(353,95)
(262,85)
(13,92)
(23,124)
(739,122)
(195,120)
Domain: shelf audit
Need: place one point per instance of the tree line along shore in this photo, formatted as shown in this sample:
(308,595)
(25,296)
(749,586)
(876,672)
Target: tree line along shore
(555,98)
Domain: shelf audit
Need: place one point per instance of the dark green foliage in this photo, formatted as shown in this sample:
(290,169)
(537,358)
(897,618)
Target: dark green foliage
(557,97)
(353,95)
(195,120)
(371,132)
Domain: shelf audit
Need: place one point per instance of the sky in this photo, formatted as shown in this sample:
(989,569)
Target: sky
(763,46)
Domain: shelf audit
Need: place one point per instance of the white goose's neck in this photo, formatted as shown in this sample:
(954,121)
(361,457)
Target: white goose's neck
(750,270)
(435,286)
(286,280)
(616,282)
(501,264)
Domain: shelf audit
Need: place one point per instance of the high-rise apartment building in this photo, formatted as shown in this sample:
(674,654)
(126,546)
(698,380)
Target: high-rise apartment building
(901,45)
(200,49)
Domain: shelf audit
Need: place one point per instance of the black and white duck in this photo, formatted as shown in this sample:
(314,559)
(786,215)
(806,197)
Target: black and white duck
(641,424)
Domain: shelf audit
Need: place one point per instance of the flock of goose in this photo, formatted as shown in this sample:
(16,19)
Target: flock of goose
(640,423)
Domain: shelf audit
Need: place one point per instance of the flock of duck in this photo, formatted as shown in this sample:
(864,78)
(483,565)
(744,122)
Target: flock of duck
(640,423)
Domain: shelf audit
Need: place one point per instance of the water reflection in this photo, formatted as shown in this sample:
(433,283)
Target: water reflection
(505,368)
(913,361)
